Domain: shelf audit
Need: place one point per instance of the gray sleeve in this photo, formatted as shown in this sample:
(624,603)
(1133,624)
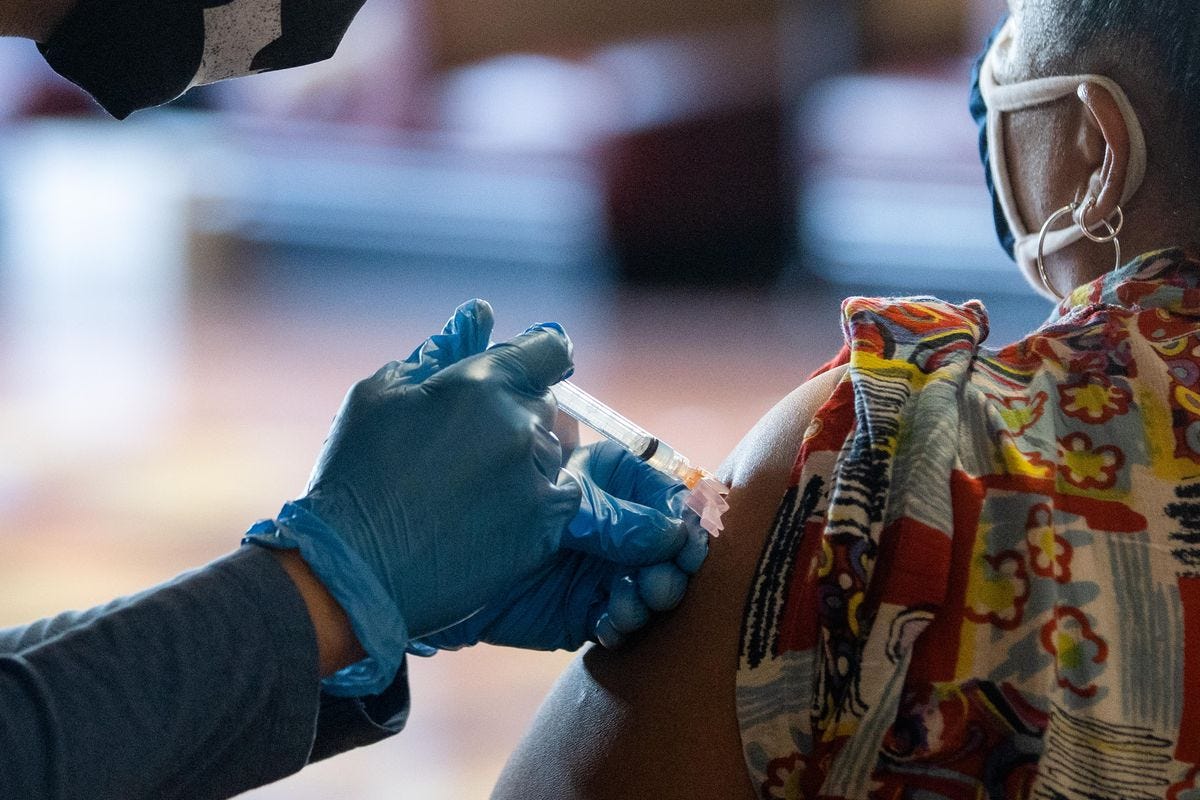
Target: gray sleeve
(202,688)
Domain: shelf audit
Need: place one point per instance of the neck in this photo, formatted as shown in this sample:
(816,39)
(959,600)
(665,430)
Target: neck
(1148,227)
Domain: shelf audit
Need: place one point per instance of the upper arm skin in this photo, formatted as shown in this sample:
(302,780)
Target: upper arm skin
(657,718)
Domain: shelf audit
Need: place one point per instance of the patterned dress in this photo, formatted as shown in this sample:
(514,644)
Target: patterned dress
(984,581)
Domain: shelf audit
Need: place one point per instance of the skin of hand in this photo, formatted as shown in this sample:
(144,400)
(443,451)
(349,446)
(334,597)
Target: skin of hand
(32,19)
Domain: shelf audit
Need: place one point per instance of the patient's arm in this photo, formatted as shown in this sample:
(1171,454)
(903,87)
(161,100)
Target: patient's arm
(657,718)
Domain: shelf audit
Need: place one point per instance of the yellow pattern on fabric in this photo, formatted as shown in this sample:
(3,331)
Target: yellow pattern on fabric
(1008,558)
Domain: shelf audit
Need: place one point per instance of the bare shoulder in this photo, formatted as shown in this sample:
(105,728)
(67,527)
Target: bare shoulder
(657,718)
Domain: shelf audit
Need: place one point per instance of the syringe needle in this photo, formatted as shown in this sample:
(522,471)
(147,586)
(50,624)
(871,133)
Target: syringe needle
(707,498)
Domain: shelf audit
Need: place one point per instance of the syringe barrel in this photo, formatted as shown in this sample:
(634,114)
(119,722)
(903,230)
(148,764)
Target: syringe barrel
(637,440)
(666,459)
(602,419)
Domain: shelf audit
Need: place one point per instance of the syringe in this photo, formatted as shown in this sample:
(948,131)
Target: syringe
(637,440)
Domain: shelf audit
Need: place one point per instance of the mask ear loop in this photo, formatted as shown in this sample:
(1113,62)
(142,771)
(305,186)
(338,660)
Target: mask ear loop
(1071,208)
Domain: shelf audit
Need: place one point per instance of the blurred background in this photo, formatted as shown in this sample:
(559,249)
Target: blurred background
(690,187)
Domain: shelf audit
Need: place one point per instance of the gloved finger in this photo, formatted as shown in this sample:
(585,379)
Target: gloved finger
(534,360)
(547,453)
(466,333)
(620,531)
(624,475)
(567,496)
(626,609)
(661,586)
(566,428)
(542,406)
(607,634)
(695,550)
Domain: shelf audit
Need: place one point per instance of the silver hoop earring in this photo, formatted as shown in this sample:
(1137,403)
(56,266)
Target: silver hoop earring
(1070,209)
(1041,253)
(1112,232)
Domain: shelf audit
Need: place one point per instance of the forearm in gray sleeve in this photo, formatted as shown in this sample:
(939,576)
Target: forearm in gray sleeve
(202,688)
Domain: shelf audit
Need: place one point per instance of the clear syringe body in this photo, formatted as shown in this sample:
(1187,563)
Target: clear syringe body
(634,438)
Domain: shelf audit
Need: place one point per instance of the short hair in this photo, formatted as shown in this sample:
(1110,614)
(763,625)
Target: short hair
(1150,47)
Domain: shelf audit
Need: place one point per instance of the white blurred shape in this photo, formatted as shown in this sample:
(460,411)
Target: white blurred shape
(892,177)
(94,241)
(529,101)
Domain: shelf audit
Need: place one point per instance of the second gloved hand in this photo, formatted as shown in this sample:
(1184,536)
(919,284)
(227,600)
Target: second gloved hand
(626,554)
(437,489)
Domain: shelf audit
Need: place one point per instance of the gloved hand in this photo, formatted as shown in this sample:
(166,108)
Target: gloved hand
(437,489)
(594,590)
(625,554)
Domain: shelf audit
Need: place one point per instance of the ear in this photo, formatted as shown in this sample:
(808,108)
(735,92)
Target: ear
(1107,182)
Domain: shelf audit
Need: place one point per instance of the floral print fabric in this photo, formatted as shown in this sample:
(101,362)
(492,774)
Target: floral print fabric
(984,580)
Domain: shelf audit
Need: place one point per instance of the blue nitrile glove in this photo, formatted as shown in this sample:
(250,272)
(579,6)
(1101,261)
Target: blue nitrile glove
(625,554)
(436,490)
(655,587)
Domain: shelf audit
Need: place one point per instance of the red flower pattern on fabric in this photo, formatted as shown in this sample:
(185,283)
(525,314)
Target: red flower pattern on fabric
(1085,466)
(1094,399)
(1049,553)
(1020,412)
(1057,426)
(1079,653)
(1000,596)
(783,778)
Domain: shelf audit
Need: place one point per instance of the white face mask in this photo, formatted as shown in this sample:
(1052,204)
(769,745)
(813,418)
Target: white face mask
(1028,94)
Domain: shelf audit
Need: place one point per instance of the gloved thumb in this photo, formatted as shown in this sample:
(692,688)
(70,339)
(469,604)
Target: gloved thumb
(536,359)
(619,530)
(622,474)
(466,333)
